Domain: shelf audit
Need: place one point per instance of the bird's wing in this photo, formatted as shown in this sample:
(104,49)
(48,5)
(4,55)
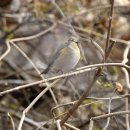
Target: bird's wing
(55,56)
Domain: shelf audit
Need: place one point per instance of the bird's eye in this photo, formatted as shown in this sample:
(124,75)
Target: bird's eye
(74,40)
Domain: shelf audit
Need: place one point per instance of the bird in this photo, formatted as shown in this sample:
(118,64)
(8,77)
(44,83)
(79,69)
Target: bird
(66,58)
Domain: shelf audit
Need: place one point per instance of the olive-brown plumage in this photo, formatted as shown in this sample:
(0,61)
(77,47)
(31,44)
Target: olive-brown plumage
(66,58)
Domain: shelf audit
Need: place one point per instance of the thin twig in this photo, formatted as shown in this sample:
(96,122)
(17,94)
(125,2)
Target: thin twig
(71,127)
(109,111)
(125,60)
(12,81)
(32,122)
(79,71)
(91,125)
(58,125)
(7,51)
(12,121)
(113,98)
(98,47)
(104,64)
(111,114)
(109,28)
(127,108)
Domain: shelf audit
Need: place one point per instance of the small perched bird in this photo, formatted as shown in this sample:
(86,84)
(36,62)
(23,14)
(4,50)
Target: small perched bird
(66,58)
